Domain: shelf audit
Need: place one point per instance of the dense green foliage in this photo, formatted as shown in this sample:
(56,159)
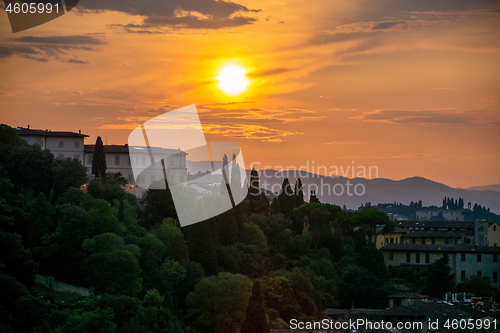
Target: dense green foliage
(153,276)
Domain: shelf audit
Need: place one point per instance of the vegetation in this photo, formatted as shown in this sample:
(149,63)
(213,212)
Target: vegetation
(254,267)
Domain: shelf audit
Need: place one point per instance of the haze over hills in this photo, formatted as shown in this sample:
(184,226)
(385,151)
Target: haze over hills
(494,187)
(379,190)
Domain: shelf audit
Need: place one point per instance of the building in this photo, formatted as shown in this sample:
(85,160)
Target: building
(118,160)
(61,144)
(440,232)
(71,145)
(493,234)
(441,214)
(405,299)
(465,260)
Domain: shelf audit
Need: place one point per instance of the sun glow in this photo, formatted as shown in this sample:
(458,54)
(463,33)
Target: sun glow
(232,80)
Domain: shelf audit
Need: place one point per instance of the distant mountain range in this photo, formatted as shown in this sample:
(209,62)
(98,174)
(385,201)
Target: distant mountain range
(495,187)
(378,190)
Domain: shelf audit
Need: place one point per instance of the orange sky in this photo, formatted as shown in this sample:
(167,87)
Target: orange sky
(408,86)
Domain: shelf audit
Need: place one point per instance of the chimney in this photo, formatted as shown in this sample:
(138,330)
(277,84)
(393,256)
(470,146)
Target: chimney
(28,126)
(126,145)
(79,131)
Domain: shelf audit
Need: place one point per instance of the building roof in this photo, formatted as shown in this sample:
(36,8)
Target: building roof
(450,248)
(124,149)
(408,295)
(435,224)
(402,311)
(38,132)
(336,311)
(435,234)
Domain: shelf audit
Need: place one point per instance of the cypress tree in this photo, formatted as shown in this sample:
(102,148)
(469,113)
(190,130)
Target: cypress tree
(255,321)
(225,176)
(299,193)
(99,160)
(254,190)
(235,180)
(286,198)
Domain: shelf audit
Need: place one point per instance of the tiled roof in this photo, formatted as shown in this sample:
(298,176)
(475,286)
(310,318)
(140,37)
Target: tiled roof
(31,132)
(433,233)
(124,149)
(408,295)
(335,311)
(435,224)
(402,311)
(441,248)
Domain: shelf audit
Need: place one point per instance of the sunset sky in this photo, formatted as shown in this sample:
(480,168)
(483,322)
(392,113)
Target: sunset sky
(412,87)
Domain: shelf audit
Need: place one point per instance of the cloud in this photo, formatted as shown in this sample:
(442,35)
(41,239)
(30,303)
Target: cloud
(51,47)
(60,40)
(345,143)
(258,115)
(191,14)
(252,132)
(440,116)
(386,25)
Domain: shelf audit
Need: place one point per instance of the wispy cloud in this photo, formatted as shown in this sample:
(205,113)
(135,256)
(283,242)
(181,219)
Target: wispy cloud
(43,49)
(438,116)
(345,143)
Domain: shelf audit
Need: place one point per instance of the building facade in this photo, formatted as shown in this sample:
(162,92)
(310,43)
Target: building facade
(61,144)
(465,260)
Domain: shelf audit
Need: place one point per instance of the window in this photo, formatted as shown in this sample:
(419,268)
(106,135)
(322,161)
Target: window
(61,156)
(433,240)
(129,161)
(117,160)
(392,240)
(495,277)
(91,157)
(77,156)
(479,273)
(417,258)
(408,257)
(478,258)
(387,240)
(462,276)
(130,179)
(413,240)
(423,240)
(462,257)
(143,160)
(396,240)
(446,240)
(468,240)
(77,144)
(391,256)
(495,258)
(61,144)
(494,228)
(427,258)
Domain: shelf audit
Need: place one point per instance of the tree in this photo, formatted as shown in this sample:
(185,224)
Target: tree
(218,303)
(30,168)
(255,320)
(115,178)
(68,172)
(172,237)
(258,201)
(99,160)
(115,272)
(361,288)
(201,246)
(440,278)
(369,220)
(96,321)
(159,205)
(478,286)
(299,193)
(287,198)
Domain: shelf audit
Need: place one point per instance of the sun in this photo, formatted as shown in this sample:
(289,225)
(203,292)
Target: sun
(232,80)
